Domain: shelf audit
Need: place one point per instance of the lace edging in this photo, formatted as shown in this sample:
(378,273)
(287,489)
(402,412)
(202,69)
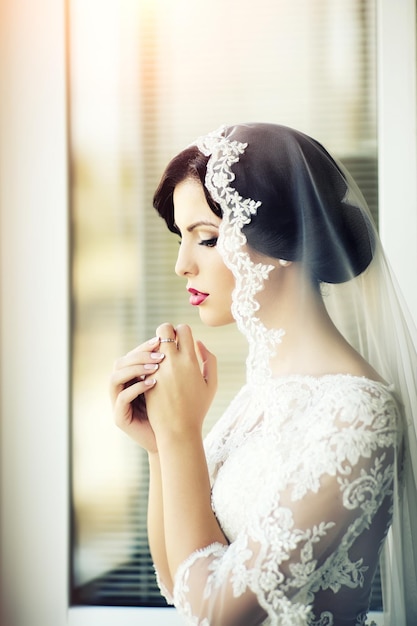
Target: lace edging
(162,588)
(249,276)
(215,549)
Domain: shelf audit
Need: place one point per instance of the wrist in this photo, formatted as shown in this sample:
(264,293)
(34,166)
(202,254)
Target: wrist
(153,457)
(170,440)
(154,462)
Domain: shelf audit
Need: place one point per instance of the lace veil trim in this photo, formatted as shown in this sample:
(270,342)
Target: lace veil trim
(250,277)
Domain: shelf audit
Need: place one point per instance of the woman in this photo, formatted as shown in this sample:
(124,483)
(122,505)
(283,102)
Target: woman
(280,515)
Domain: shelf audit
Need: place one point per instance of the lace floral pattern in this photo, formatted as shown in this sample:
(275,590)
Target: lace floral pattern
(249,276)
(340,440)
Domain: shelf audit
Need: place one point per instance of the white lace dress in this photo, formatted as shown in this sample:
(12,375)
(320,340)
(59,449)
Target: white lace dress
(302,473)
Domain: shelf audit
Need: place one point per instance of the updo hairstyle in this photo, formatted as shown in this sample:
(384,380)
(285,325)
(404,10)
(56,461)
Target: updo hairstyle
(305,215)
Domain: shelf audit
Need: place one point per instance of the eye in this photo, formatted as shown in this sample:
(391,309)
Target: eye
(210,243)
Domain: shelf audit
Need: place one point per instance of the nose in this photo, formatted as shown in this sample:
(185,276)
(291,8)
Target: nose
(185,265)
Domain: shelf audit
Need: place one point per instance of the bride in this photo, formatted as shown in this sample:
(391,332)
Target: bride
(280,516)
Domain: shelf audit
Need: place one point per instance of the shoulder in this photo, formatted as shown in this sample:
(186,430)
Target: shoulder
(345,387)
(354,421)
(363,417)
(333,401)
(357,401)
(348,387)
(360,393)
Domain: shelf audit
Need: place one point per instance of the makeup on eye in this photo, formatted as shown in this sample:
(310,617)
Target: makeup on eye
(203,235)
(210,243)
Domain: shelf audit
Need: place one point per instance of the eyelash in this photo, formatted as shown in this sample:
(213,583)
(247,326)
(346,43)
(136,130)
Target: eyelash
(209,243)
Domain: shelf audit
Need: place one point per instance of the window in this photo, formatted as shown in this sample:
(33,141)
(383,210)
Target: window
(145,79)
(33,283)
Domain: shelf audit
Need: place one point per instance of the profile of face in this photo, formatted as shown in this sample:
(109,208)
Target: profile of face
(209,282)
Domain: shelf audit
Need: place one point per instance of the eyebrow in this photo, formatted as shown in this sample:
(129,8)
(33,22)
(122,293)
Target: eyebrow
(194,225)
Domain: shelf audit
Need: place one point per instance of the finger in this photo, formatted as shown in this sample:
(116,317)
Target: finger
(129,378)
(209,364)
(126,397)
(185,338)
(137,358)
(123,414)
(167,335)
(132,373)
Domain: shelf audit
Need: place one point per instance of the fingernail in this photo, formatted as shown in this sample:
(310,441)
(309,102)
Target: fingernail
(157,355)
(151,366)
(153,341)
(150,381)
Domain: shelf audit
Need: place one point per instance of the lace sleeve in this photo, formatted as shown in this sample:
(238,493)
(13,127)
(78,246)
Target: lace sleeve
(309,542)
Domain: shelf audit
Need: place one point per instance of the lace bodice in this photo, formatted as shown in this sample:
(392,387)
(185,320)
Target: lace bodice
(302,472)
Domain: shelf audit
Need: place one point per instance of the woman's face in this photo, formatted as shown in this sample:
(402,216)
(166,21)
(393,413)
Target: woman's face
(209,282)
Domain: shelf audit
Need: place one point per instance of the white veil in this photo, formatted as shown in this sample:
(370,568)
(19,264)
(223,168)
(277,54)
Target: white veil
(384,334)
(341,249)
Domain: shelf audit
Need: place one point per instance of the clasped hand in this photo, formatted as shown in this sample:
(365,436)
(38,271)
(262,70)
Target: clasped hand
(163,389)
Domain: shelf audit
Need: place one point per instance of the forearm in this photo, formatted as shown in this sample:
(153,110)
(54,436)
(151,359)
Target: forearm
(156,532)
(189,521)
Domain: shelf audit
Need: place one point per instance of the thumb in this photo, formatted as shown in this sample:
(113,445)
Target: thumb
(208,364)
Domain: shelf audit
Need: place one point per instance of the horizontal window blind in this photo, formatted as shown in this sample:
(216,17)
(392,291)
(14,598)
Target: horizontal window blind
(145,79)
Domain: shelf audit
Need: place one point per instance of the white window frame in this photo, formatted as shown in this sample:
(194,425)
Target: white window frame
(34,288)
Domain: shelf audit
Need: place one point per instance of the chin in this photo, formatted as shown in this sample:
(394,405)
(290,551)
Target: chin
(213,320)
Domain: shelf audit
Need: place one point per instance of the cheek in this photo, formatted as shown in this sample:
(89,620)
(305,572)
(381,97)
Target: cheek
(230,283)
(224,280)
(222,271)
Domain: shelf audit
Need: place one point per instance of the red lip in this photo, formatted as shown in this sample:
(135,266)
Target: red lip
(196,297)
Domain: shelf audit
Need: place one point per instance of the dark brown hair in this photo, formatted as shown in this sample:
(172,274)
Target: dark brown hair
(305,214)
(190,163)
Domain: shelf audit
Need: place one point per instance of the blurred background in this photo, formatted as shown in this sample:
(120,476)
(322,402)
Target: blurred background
(145,79)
